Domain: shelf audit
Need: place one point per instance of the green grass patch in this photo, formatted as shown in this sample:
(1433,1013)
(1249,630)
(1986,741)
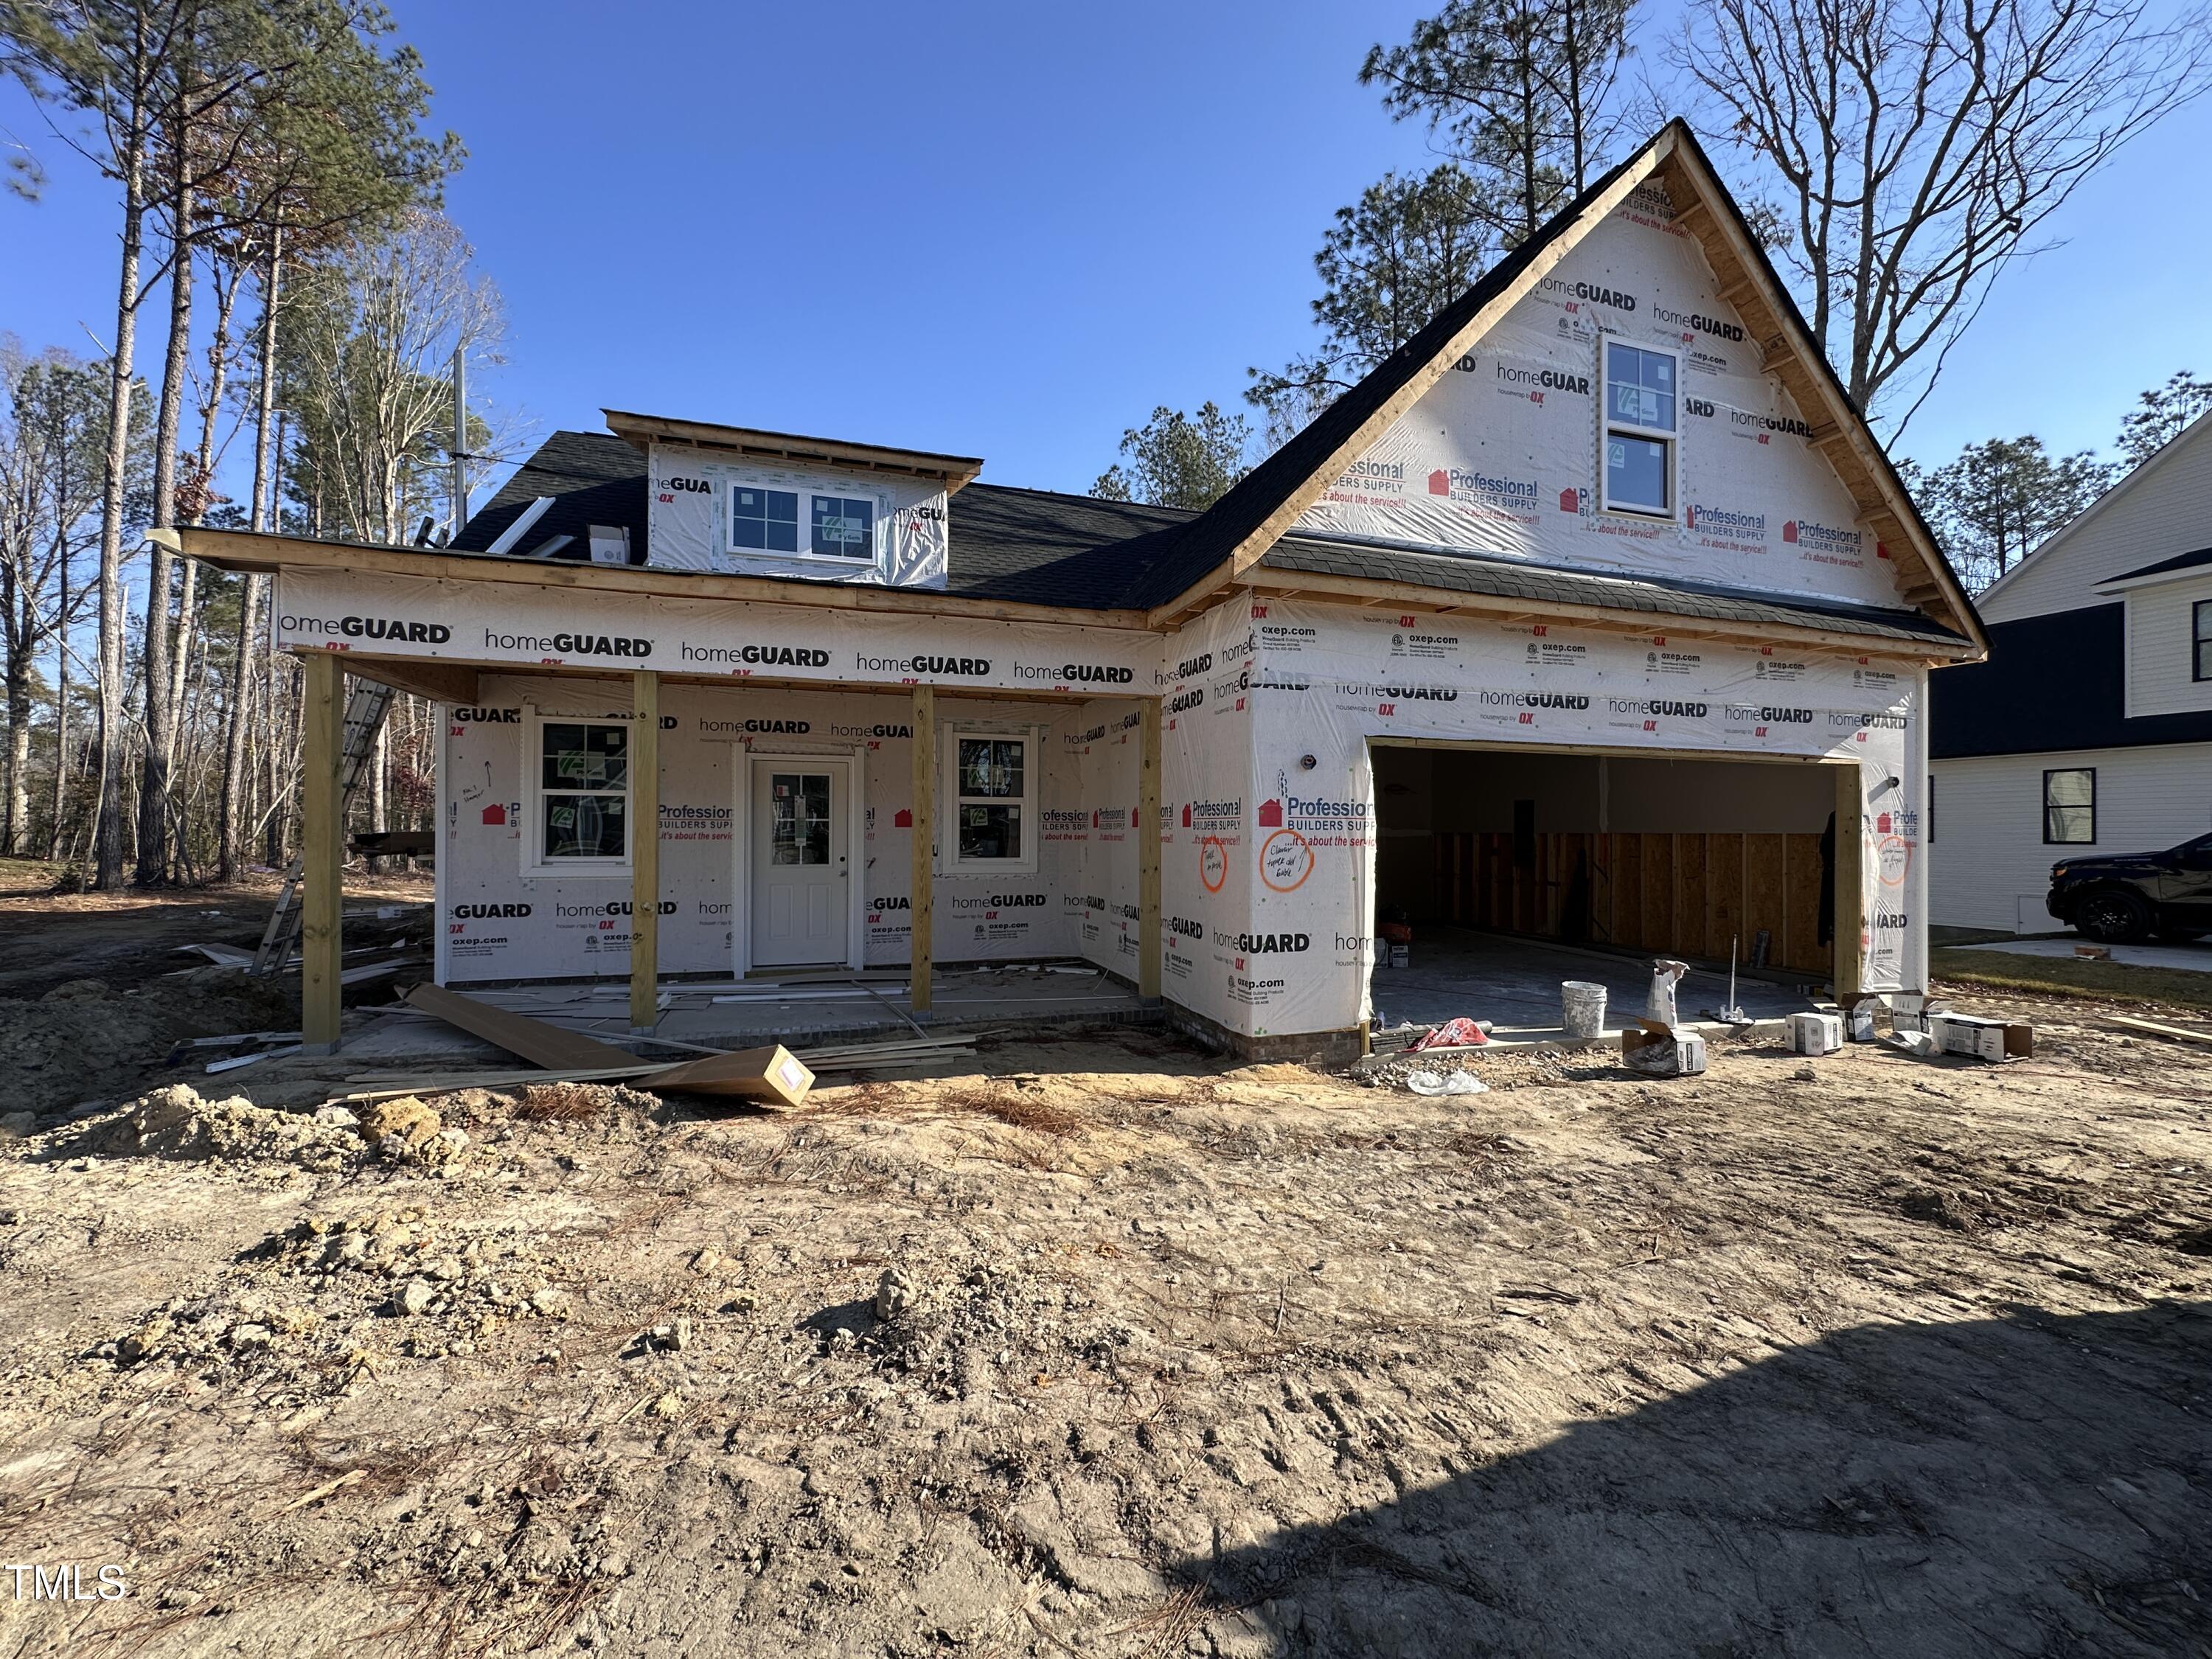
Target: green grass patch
(2070,976)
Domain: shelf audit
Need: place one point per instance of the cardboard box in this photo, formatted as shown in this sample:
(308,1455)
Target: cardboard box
(1965,1034)
(1688,1059)
(1858,1024)
(1816,1033)
(1915,1013)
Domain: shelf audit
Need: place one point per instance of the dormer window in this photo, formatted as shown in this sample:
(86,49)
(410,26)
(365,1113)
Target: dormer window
(1640,429)
(764,519)
(844,528)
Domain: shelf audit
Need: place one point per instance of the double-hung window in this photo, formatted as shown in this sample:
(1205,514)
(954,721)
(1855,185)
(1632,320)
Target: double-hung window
(1642,419)
(2069,807)
(2200,660)
(992,794)
(581,816)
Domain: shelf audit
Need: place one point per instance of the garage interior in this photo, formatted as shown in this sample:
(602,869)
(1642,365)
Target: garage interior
(1517,869)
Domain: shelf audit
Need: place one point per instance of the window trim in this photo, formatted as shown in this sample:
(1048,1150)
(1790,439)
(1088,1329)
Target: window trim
(2048,840)
(807,493)
(1607,426)
(2197,641)
(534,861)
(948,861)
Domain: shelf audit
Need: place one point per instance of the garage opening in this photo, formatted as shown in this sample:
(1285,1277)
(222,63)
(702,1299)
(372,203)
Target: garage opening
(1515,869)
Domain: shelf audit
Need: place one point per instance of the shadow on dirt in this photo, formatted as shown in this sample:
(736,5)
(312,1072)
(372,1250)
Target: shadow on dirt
(2034,1484)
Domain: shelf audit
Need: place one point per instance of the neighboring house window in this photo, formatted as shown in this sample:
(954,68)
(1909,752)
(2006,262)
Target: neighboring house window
(1640,427)
(2069,807)
(844,527)
(2200,667)
(764,519)
(1931,809)
(581,816)
(994,793)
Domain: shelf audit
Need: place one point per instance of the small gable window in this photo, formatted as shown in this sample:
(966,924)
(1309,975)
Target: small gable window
(1641,411)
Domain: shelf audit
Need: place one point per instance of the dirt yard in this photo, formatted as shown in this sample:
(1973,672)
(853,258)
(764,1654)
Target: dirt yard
(1105,1347)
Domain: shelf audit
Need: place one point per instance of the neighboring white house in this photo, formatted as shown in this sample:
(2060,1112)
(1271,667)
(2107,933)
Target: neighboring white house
(2090,726)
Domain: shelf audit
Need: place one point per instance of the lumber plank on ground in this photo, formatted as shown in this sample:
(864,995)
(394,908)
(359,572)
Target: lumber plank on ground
(2134,1023)
(532,1040)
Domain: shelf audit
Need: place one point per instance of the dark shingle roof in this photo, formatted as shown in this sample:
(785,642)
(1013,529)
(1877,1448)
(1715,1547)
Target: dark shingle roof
(1035,547)
(1021,546)
(1546,584)
(2179,561)
(593,477)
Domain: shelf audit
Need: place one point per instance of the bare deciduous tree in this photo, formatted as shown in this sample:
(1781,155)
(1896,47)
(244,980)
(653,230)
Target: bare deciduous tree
(370,341)
(1924,144)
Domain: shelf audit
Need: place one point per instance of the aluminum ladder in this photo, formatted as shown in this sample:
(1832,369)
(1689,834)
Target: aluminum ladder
(367,704)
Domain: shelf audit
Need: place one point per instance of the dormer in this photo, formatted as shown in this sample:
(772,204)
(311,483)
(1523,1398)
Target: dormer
(743,502)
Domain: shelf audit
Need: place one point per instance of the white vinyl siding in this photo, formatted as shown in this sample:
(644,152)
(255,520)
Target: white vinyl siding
(1992,868)
(2161,647)
(2161,509)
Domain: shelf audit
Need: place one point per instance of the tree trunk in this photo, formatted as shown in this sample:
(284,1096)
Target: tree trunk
(17,840)
(231,826)
(107,840)
(161,730)
(231,836)
(61,718)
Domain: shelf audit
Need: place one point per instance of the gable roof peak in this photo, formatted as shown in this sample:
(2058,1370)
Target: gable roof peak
(1236,532)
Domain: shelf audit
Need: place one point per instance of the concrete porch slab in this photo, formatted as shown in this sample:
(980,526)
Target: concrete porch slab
(747,1013)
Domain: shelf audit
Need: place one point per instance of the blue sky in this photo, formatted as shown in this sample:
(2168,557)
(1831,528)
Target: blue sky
(1010,230)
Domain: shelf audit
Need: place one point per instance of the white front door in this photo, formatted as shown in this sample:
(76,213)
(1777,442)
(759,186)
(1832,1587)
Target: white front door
(801,875)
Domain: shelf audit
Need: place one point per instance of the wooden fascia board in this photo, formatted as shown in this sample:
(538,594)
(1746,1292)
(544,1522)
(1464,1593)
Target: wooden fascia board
(243,551)
(450,683)
(441,680)
(1254,547)
(1686,168)
(1360,590)
(953,471)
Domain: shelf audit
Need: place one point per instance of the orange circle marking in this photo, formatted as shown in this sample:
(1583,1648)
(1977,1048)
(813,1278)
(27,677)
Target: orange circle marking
(1286,853)
(1213,863)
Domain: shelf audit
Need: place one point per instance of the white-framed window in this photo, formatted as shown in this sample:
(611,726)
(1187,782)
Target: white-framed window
(578,771)
(830,523)
(2069,806)
(844,527)
(763,520)
(990,799)
(1643,421)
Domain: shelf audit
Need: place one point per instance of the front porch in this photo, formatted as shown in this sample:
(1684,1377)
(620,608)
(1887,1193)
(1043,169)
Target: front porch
(1071,931)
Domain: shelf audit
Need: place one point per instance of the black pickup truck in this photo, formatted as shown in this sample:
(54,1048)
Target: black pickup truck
(2118,897)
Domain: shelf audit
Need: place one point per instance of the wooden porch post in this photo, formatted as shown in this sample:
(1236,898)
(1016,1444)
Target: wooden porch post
(925,830)
(1849,920)
(644,854)
(1148,853)
(322,850)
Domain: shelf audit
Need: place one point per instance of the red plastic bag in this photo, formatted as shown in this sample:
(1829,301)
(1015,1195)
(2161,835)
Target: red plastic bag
(1453,1033)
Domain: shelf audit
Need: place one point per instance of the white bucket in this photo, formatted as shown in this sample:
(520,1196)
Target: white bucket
(1581,1005)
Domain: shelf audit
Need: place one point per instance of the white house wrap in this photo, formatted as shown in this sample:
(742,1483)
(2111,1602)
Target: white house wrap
(1605,524)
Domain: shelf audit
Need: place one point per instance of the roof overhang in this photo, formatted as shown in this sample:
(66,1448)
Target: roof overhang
(2122,585)
(791,448)
(264,554)
(1370,594)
